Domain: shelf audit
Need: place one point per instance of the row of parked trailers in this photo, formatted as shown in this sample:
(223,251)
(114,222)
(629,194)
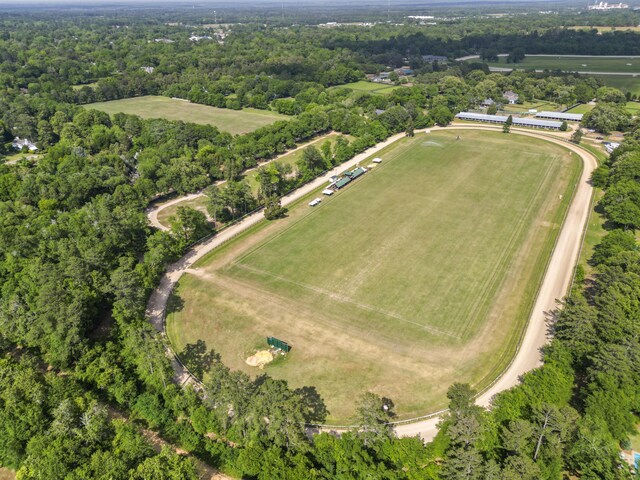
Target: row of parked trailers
(338,182)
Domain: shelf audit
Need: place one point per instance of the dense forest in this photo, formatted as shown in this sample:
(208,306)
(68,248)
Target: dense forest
(86,386)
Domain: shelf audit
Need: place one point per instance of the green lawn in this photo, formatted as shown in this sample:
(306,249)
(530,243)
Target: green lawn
(633,108)
(233,121)
(420,274)
(90,85)
(574,64)
(526,106)
(370,87)
(635,440)
(582,108)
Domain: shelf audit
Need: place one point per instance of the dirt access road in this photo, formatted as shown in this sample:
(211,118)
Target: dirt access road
(153,211)
(555,284)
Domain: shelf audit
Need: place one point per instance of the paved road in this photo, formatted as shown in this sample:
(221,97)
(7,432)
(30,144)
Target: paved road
(554,286)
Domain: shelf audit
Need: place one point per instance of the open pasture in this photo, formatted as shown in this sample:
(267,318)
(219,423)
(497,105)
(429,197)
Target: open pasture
(420,274)
(626,83)
(370,87)
(574,64)
(150,106)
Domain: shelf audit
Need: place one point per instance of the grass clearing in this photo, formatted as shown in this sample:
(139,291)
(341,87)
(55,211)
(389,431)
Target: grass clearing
(370,87)
(419,274)
(79,87)
(635,440)
(625,83)
(582,108)
(574,64)
(605,29)
(151,106)
(633,108)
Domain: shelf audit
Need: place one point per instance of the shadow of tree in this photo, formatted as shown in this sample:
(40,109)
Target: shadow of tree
(175,303)
(315,408)
(197,359)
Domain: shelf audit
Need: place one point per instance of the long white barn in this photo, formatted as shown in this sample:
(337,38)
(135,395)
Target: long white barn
(500,119)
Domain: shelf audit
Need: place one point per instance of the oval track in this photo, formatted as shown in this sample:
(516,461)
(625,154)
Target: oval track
(555,283)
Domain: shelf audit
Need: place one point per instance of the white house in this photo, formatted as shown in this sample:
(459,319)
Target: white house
(511,97)
(19,143)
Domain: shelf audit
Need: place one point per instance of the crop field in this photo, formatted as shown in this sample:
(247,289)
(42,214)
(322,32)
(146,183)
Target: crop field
(150,106)
(420,274)
(574,64)
(370,87)
(251,177)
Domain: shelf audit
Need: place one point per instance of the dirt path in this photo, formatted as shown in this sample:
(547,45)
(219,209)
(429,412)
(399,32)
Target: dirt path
(554,286)
(152,212)
(158,301)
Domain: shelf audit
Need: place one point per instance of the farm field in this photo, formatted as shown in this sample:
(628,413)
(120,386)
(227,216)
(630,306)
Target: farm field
(391,285)
(573,64)
(251,177)
(370,87)
(623,82)
(150,106)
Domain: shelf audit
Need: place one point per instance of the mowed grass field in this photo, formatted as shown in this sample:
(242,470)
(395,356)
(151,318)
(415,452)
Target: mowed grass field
(151,106)
(370,87)
(420,274)
(582,108)
(574,64)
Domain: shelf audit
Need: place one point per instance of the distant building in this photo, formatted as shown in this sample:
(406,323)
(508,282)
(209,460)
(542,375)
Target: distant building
(434,58)
(148,69)
(404,71)
(607,6)
(511,97)
(487,102)
(565,117)
(163,40)
(517,121)
(19,143)
(610,146)
(379,112)
(197,38)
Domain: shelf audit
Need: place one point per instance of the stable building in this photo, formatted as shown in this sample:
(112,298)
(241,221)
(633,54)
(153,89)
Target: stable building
(517,121)
(562,116)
